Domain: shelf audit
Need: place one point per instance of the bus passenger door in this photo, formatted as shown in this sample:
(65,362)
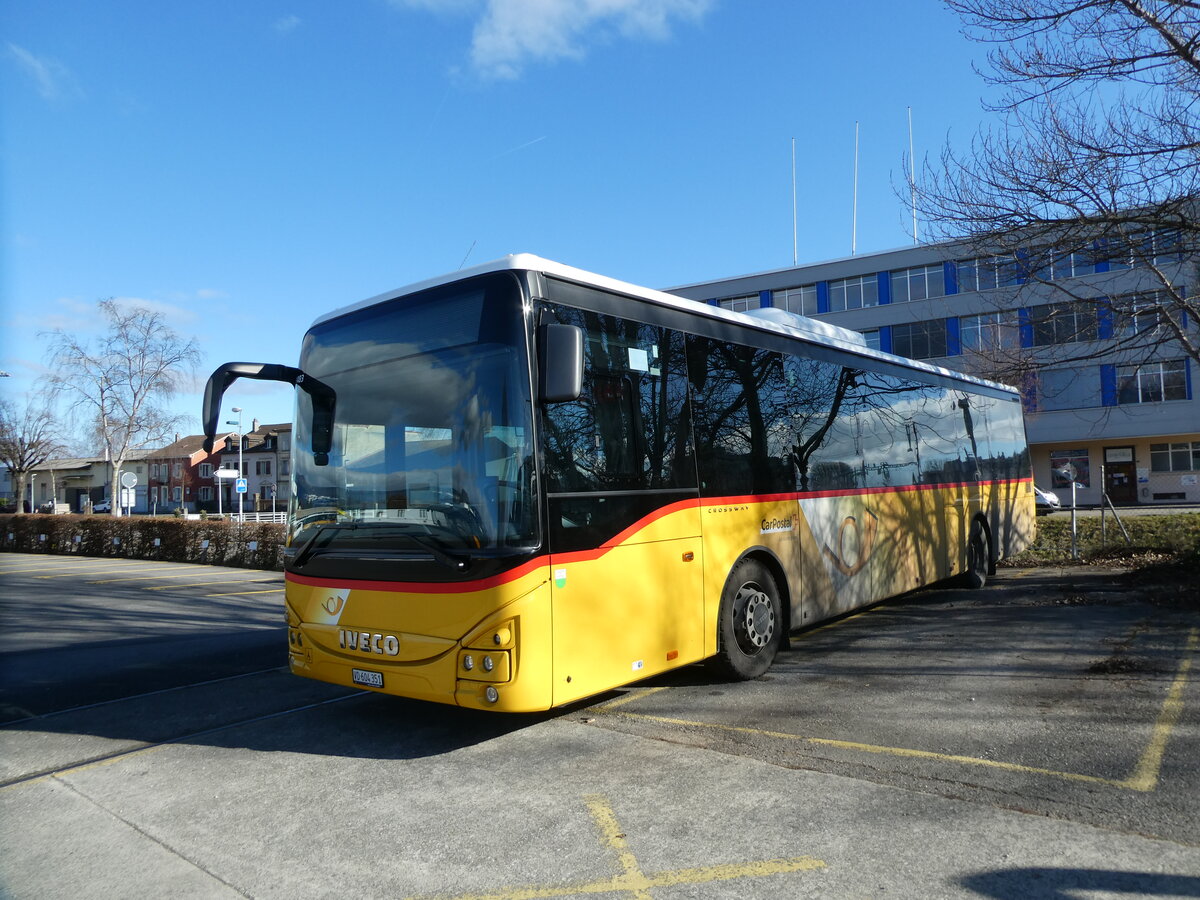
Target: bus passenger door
(632,607)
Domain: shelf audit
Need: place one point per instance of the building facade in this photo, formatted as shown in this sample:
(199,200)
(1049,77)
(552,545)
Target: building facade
(1109,397)
(181,477)
(266,457)
(80,484)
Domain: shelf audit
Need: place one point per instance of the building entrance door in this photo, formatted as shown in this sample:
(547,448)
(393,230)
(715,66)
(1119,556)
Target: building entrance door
(1120,475)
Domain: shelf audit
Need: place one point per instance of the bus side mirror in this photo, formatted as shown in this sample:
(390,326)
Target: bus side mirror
(560,363)
(324,400)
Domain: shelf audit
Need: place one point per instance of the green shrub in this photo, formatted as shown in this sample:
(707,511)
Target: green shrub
(1176,535)
(214,541)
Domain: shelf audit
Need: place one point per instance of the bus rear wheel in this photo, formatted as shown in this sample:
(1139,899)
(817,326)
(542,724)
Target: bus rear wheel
(978,557)
(751,625)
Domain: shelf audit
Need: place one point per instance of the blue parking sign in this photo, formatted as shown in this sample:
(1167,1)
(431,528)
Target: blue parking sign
(240,485)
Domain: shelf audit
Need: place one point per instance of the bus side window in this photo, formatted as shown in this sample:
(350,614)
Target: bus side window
(740,404)
(630,427)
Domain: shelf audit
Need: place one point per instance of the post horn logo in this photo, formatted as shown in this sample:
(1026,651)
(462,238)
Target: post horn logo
(333,605)
(856,542)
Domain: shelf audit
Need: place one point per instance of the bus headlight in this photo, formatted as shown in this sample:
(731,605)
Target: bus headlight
(488,665)
(491,694)
(468,663)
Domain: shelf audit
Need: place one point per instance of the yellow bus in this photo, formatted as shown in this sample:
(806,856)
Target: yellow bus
(525,484)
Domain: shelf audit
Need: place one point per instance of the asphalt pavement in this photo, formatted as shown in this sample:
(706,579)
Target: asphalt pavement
(1034,739)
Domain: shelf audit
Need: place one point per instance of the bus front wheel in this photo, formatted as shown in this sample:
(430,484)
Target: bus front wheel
(978,557)
(751,625)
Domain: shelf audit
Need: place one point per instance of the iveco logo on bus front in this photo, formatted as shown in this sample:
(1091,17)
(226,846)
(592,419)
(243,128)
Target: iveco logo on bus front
(366,642)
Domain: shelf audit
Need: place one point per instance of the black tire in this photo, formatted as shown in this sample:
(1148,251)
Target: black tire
(979,557)
(751,623)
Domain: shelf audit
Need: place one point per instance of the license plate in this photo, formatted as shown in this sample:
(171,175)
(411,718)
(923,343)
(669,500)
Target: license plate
(367,679)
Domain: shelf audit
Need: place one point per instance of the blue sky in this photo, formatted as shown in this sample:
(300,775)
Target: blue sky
(246,167)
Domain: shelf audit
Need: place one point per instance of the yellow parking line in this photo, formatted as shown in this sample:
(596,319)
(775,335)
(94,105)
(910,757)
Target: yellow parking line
(109,570)
(1144,777)
(239,593)
(636,882)
(57,563)
(167,587)
(178,574)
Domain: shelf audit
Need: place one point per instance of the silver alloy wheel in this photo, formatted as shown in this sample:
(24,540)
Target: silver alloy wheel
(757,620)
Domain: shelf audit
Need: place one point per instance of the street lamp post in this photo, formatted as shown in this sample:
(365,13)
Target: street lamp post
(241,473)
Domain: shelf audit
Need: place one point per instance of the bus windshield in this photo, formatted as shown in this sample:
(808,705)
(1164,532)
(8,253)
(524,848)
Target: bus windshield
(432,445)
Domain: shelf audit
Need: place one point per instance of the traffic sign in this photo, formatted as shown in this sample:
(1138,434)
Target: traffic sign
(128,479)
(226,473)
(240,485)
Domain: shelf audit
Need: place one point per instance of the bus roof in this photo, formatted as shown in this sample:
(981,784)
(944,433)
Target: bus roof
(772,321)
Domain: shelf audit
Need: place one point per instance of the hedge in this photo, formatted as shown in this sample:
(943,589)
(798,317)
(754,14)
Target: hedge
(254,545)
(1177,534)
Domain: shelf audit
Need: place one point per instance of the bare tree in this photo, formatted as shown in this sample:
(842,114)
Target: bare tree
(126,380)
(28,437)
(1093,166)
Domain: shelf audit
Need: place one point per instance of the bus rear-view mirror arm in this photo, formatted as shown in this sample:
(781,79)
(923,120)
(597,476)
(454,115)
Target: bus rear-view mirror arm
(560,363)
(324,400)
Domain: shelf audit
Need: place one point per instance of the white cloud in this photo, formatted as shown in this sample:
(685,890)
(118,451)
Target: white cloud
(172,313)
(286,24)
(54,80)
(511,33)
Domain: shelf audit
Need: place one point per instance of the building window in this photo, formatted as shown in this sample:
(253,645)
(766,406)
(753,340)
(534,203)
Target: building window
(800,300)
(1068,388)
(1072,264)
(1064,323)
(918,283)
(1065,463)
(987,272)
(285,467)
(206,470)
(176,494)
(920,340)
(206,494)
(262,467)
(1152,382)
(178,470)
(988,331)
(741,304)
(853,293)
(871,336)
(1144,313)
(1176,457)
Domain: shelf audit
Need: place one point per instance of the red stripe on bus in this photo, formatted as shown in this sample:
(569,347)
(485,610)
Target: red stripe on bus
(423,587)
(467,587)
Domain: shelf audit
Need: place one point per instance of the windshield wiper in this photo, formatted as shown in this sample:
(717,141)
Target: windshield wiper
(447,559)
(310,546)
(425,542)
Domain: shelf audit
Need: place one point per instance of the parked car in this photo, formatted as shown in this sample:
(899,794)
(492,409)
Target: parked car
(1045,502)
(104,506)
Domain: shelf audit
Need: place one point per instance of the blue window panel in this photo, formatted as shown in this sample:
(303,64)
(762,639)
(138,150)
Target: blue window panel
(1104,320)
(713,302)
(1020,271)
(764,299)
(953,337)
(1108,385)
(885,287)
(950,272)
(1025,326)
(1101,264)
(885,338)
(822,296)
(1187,376)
